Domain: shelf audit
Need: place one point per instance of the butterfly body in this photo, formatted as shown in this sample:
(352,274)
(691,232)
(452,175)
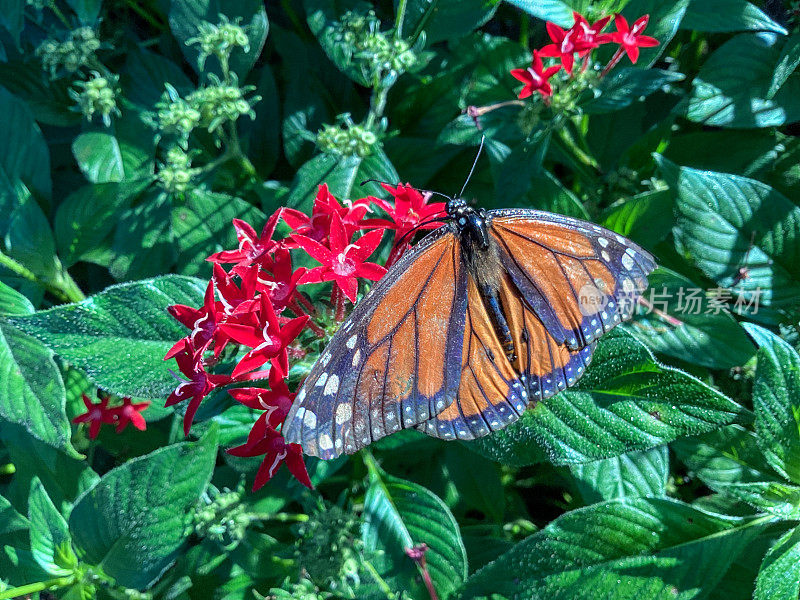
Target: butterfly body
(492,312)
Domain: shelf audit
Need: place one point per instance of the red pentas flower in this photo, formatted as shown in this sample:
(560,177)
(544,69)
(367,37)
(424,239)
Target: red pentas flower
(318,225)
(631,39)
(565,44)
(535,77)
(275,401)
(129,412)
(279,280)
(343,261)
(261,330)
(95,415)
(198,386)
(265,440)
(202,321)
(252,247)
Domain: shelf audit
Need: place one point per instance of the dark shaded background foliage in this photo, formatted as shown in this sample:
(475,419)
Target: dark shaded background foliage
(604,491)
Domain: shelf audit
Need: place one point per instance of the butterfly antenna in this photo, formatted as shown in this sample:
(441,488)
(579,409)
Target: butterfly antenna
(419,225)
(474,164)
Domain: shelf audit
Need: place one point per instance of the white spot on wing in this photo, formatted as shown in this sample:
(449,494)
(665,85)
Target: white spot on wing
(356,358)
(325,442)
(627,261)
(322,379)
(332,386)
(343,413)
(309,419)
(351,341)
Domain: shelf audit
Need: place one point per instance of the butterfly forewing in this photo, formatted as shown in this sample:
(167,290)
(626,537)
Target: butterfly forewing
(395,361)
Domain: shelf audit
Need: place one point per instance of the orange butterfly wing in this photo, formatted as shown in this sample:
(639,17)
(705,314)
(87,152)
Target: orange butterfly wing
(549,262)
(394,362)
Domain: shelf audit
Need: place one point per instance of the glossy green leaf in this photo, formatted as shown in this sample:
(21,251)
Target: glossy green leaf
(727,15)
(49,533)
(622,87)
(24,155)
(733,88)
(399,515)
(724,457)
(133,522)
(13,303)
(774,497)
(645,218)
(202,226)
(119,337)
(644,548)
(632,475)
(87,11)
(626,401)
(29,239)
(685,323)
(726,223)
(185,17)
(10,520)
(776,400)
(104,158)
(556,11)
(779,577)
(479,486)
(143,244)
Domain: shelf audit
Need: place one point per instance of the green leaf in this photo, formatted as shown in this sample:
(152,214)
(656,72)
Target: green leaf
(733,88)
(399,515)
(779,577)
(99,157)
(684,323)
(476,481)
(10,520)
(646,548)
(48,101)
(450,19)
(12,17)
(143,240)
(86,10)
(557,11)
(29,238)
(265,133)
(145,75)
(724,457)
(31,390)
(726,222)
(626,401)
(631,475)
(343,174)
(623,87)
(774,497)
(24,154)
(134,521)
(722,16)
(12,302)
(103,334)
(776,401)
(747,151)
(185,17)
(787,64)
(49,533)
(646,218)
(203,226)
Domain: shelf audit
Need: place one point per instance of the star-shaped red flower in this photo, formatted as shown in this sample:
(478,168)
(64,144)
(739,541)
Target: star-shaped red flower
(631,39)
(279,279)
(198,386)
(265,440)
(202,321)
(276,401)
(409,209)
(343,262)
(95,415)
(318,225)
(565,45)
(589,36)
(261,331)
(252,247)
(535,77)
(129,413)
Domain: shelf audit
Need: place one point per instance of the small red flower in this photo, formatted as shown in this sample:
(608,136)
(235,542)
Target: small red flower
(343,262)
(589,35)
(631,39)
(252,247)
(276,401)
(95,415)
(202,321)
(198,387)
(262,332)
(535,77)
(409,210)
(565,45)
(318,225)
(279,280)
(265,440)
(129,413)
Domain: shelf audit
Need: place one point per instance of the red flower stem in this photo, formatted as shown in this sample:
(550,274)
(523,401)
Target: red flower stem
(613,62)
(310,308)
(426,577)
(338,303)
(318,331)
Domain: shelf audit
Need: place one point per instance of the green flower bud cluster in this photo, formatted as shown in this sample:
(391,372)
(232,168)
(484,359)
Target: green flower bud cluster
(220,39)
(346,138)
(374,49)
(302,590)
(97,95)
(223,518)
(174,116)
(39,4)
(221,103)
(175,174)
(70,55)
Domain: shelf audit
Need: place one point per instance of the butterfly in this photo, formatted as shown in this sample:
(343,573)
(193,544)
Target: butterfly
(489,314)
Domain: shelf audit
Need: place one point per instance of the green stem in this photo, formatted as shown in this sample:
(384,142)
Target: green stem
(280,517)
(377,105)
(134,6)
(298,24)
(68,291)
(39,586)
(524,29)
(401,16)
(57,12)
(378,579)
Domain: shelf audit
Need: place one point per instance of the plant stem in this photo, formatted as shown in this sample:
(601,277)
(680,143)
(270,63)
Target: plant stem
(68,291)
(401,16)
(60,15)
(377,105)
(134,6)
(280,517)
(39,586)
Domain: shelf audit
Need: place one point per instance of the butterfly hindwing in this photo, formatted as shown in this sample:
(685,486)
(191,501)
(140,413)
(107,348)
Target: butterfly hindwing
(394,362)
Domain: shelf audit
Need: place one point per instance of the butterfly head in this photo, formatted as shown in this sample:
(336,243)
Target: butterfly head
(470,222)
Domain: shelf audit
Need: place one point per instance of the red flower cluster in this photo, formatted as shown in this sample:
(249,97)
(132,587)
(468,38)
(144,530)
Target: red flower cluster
(580,40)
(256,305)
(97,414)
